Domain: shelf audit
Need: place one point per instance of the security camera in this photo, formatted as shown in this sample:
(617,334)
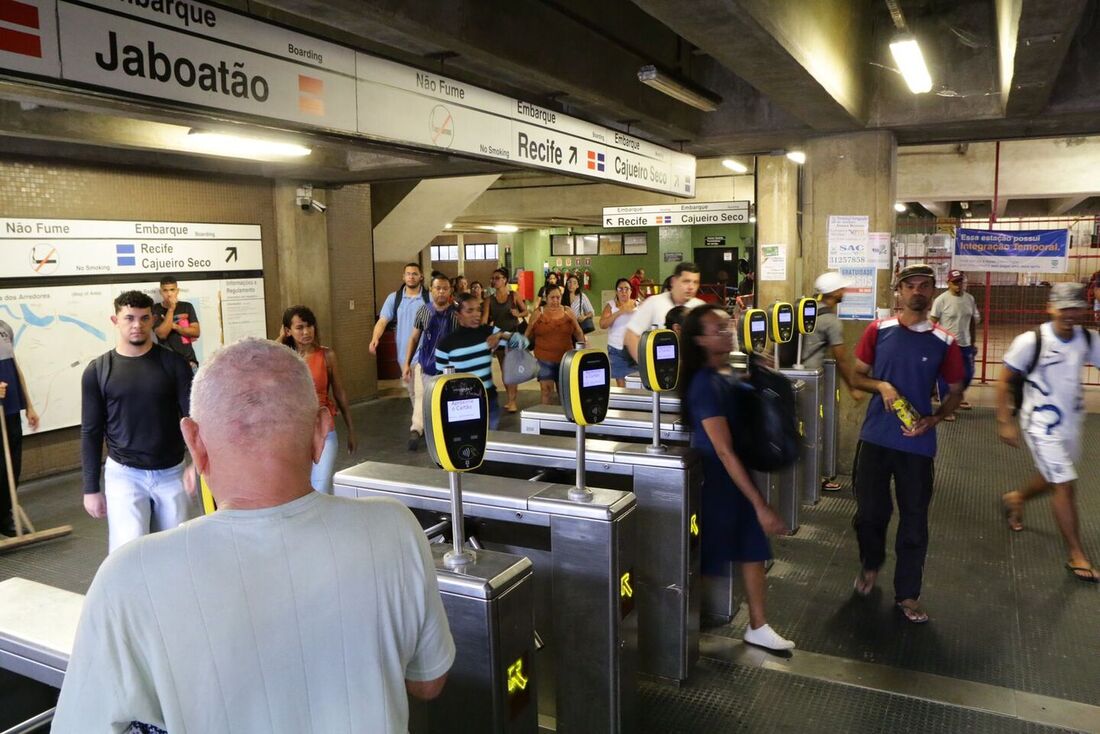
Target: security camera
(318,206)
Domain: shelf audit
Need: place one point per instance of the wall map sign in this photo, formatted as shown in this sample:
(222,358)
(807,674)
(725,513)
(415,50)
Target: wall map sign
(715,212)
(198,55)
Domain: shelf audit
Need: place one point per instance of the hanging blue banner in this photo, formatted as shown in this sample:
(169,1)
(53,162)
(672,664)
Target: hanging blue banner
(1021,251)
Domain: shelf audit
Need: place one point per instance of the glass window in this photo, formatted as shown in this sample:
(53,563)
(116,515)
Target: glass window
(611,244)
(561,244)
(492,252)
(452,252)
(588,244)
(444,252)
(635,244)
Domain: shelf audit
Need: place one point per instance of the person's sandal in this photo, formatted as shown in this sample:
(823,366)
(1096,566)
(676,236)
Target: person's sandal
(1014,512)
(864,585)
(912,611)
(830,486)
(1083,573)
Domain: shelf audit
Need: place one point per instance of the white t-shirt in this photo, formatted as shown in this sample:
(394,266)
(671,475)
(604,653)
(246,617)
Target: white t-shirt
(1053,397)
(955,313)
(653,311)
(618,328)
(306,617)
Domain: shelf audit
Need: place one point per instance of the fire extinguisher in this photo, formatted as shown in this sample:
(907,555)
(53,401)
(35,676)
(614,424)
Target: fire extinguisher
(586,279)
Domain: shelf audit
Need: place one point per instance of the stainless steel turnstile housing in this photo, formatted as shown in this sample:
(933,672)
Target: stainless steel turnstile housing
(632,425)
(492,685)
(667,487)
(831,422)
(584,576)
(811,416)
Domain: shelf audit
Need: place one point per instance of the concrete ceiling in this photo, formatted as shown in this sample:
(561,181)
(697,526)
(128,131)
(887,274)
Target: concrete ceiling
(785,72)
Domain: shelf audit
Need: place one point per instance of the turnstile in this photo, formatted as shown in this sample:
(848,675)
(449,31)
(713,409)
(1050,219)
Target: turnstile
(831,421)
(627,398)
(491,686)
(584,578)
(667,487)
(811,417)
(629,425)
(37,629)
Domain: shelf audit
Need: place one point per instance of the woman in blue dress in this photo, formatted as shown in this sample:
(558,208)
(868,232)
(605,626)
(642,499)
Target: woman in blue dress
(735,517)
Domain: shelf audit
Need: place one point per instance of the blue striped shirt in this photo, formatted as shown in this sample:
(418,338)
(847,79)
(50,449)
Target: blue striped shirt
(465,349)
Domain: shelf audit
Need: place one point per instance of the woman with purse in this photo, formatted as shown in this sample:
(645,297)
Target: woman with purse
(504,310)
(577,300)
(554,330)
(615,318)
(737,515)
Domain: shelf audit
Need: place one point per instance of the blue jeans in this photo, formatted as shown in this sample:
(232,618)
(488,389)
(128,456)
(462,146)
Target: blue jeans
(549,370)
(494,410)
(320,477)
(621,363)
(969,356)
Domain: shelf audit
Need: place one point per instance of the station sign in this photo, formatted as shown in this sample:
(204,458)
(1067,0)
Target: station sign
(206,56)
(715,212)
(51,248)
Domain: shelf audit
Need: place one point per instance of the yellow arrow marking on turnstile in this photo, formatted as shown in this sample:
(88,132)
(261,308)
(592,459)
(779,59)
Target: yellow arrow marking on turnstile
(801,428)
(517,681)
(625,588)
(694,524)
(838,394)
(821,411)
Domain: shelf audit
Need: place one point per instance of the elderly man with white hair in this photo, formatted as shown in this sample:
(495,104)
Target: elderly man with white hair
(287,610)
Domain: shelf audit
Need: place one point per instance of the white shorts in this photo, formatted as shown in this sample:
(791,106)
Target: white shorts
(1054,455)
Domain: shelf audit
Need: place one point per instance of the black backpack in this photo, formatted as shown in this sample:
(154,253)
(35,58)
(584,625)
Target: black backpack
(397,302)
(764,420)
(1017,379)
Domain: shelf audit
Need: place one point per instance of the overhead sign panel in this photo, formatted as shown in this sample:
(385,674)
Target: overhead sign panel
(202,55)
(715,212)
(1020,251)
(50,248)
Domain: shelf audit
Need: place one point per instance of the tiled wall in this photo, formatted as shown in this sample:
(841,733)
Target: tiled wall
(35,188)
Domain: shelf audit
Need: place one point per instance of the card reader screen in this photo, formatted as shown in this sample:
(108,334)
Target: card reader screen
(593,378)
(758,326)
(784,317)
(666,351)
(468,409)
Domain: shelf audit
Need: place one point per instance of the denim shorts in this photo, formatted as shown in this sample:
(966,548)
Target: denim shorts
(621,363)
(549,370)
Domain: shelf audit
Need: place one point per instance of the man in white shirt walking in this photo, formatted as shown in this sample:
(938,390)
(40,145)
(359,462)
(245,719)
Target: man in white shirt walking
(956,311)
(652,311)
(1045,364)
(285,611)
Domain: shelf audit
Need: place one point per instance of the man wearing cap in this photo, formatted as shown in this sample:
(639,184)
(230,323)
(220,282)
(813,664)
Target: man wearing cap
(1046,363)
(827,338)
(901,357)
(956,311)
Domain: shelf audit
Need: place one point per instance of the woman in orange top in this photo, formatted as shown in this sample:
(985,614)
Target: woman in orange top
(300,334)
(555,330)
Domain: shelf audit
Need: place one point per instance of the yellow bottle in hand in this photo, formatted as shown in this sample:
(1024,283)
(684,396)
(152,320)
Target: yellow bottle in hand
(905,412)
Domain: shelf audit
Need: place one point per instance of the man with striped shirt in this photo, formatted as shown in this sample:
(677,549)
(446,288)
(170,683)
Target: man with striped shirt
(469,348)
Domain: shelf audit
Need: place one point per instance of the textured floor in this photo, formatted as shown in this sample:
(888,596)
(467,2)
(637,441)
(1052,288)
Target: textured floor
(1004,611)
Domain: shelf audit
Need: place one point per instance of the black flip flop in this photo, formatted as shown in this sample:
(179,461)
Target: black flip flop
(1078,570)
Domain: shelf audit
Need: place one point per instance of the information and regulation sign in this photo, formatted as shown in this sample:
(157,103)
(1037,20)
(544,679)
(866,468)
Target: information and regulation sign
(715,212)
(717,240)
(1021,251)
(198,56)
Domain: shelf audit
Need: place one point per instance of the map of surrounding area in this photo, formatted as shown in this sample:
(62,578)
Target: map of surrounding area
(59,330)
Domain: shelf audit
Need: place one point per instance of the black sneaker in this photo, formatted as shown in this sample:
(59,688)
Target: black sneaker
(414,440)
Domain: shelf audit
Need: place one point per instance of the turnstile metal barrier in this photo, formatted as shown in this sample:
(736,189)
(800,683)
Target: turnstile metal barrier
(627,398)
(811,416)
(629,425)
(667,488)
(492,685)
(584,577)
(831,422)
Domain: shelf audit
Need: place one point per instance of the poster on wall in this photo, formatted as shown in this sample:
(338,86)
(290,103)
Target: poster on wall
(847,236)
(878,250)
(859,296)
(773,262)
(59,278)
(1021,251)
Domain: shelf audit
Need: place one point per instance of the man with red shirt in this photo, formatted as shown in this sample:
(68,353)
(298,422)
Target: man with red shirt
(900,357)
(636,281)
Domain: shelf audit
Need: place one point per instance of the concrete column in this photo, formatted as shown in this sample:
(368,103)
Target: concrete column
(302,244)
(777,224)
(847,174)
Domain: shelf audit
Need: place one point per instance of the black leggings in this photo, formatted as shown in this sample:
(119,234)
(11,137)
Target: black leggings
(913,476)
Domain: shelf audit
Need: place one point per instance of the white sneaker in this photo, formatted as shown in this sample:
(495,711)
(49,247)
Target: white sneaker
(767,638)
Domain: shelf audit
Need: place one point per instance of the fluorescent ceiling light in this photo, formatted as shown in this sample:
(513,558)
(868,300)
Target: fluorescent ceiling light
(735,166)
(448,225)
(910,62)
(504,228)
(899,207)
(797,156)
(679,90)
(752,219)
(243,146)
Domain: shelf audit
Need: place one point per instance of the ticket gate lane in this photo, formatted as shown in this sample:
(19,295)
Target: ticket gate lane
(667,488)
(574,547)
(830,423)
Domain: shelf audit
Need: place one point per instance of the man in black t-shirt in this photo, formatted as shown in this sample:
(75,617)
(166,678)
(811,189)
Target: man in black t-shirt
(175,322)
(134,396)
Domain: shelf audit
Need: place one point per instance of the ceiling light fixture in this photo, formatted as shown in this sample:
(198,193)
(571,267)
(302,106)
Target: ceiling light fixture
(243,146)
(448,225)
(679,90)
(504,228)
(900,208)
(910,61)
(752,219)
(735,166)
(797,156)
